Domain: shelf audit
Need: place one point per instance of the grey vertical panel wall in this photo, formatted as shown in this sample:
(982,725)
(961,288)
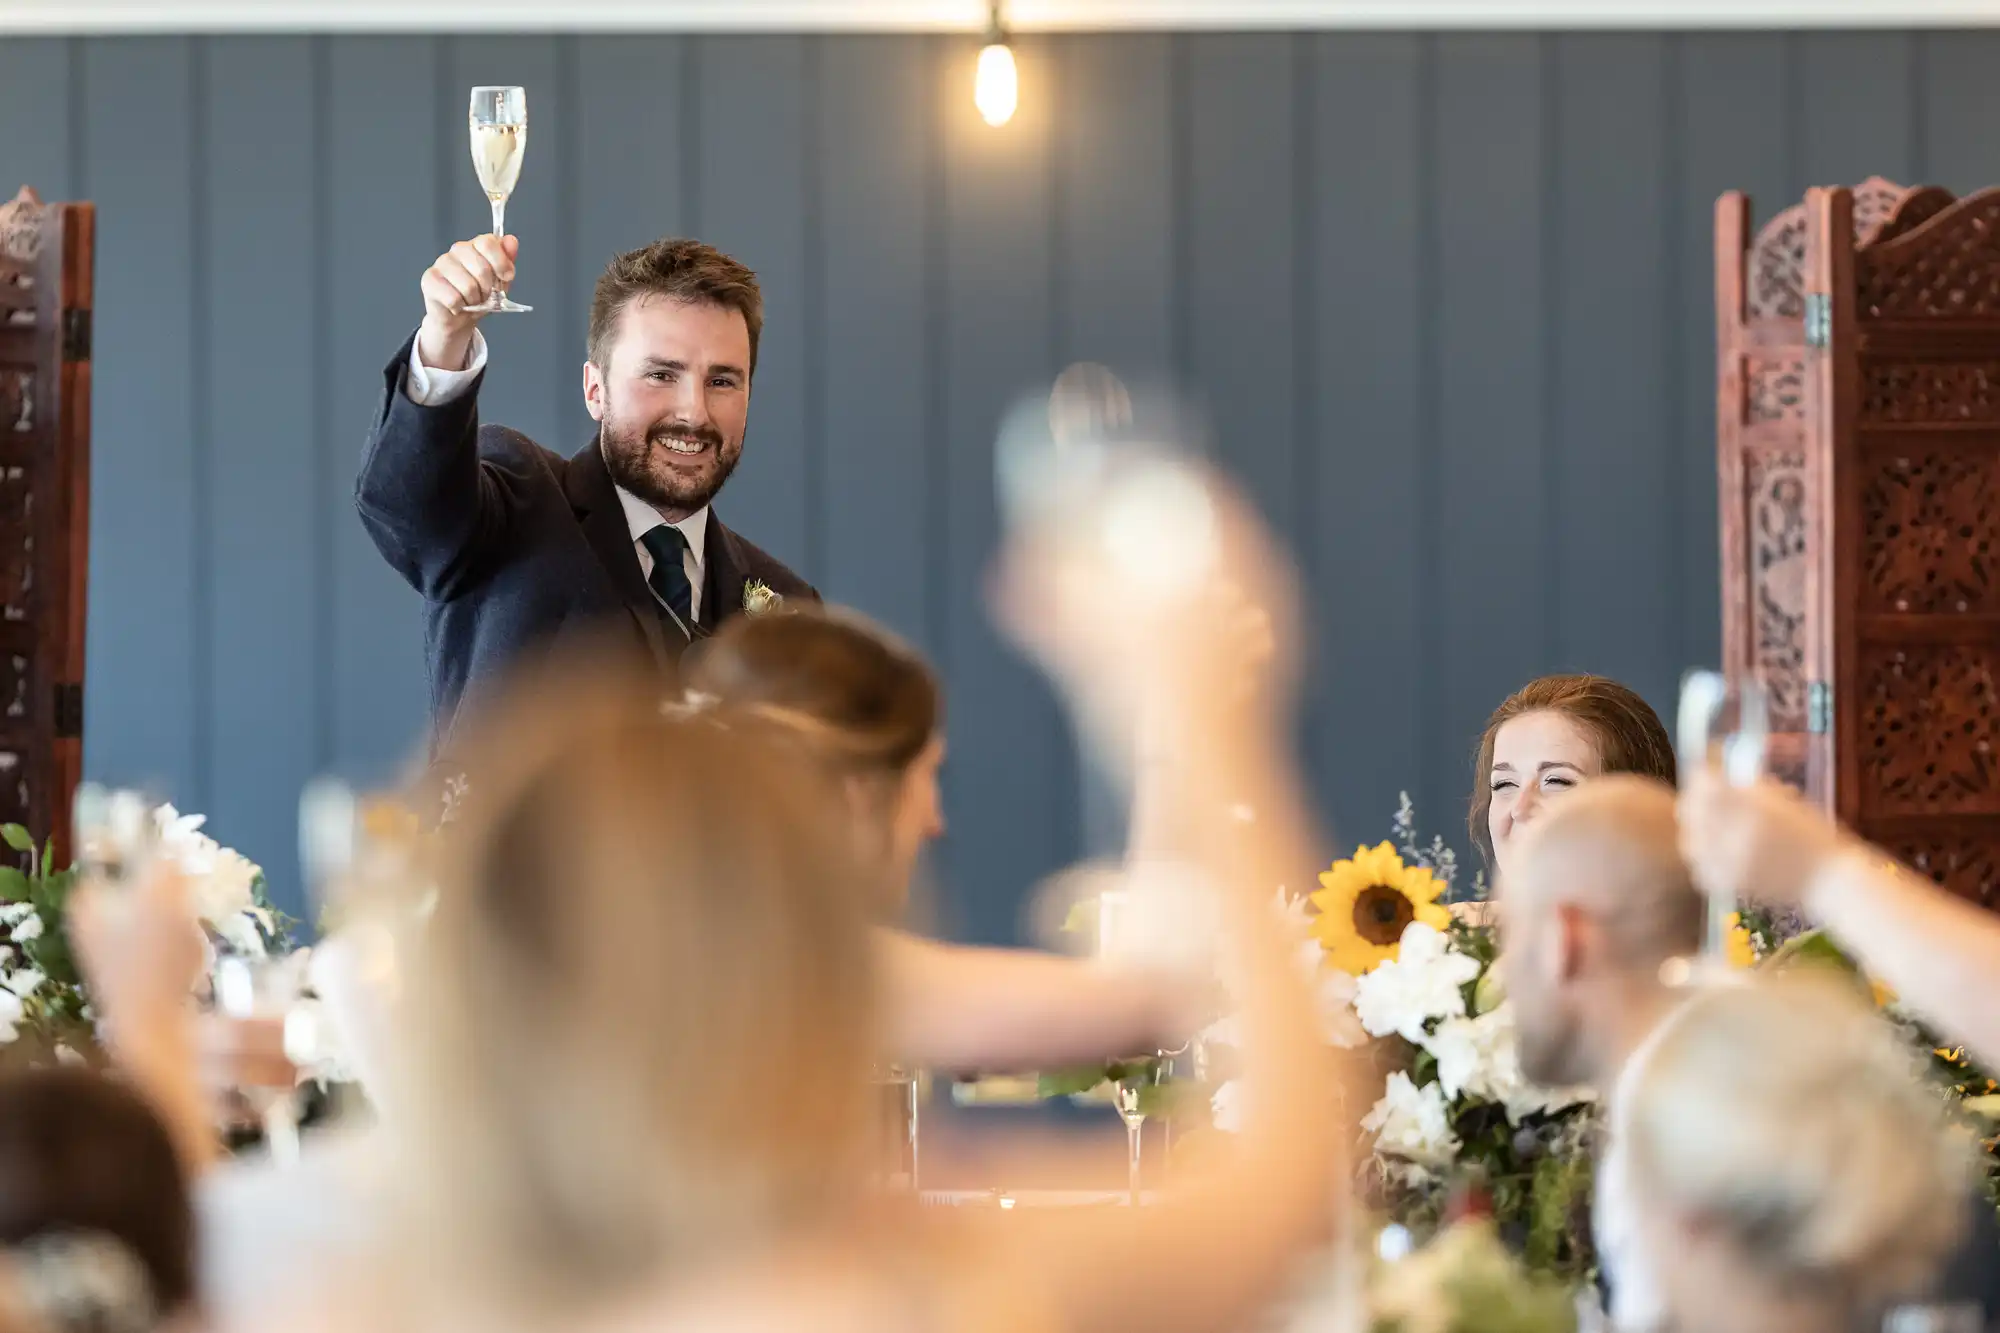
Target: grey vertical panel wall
(1447,298)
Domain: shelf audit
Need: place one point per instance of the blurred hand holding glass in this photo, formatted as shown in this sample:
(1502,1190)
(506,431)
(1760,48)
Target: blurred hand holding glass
(266,990)
(1723,726)
(116,834)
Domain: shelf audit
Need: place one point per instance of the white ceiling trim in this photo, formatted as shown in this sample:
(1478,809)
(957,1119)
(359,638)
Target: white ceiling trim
(112,16)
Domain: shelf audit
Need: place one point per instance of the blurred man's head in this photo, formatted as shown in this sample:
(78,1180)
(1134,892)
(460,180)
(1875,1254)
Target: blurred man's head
(1598,901)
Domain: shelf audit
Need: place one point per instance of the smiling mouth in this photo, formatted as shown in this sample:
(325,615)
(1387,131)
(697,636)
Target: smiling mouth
(682,448)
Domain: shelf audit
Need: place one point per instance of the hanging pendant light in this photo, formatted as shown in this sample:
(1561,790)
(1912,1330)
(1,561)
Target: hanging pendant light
(996,87)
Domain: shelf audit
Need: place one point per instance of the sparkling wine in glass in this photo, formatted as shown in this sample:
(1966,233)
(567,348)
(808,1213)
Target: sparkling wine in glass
(499,124)
(117,835)
(252,988)
(1725,725)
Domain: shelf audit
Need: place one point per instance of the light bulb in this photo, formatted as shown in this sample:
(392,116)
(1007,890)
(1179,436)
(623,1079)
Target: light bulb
(996,87)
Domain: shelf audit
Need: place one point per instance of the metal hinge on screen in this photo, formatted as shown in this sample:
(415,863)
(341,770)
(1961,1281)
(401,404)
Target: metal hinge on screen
(1819,319)
(1819,708)
(76,335)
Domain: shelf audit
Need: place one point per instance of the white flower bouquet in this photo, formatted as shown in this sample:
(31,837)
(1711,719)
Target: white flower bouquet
(45,1013)
(1457,1130)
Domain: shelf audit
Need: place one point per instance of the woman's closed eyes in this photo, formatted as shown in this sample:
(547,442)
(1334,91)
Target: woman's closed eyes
(1550,782)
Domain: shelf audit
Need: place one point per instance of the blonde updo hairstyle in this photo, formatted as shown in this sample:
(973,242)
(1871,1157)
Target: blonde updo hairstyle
(642,1016)
(859,697)
(856,702)
(1786,1117)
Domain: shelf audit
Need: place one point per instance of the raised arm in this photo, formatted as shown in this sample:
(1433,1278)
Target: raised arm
(1224,1237)
(1939,953)
(429,505)
(991,1011)
(141,954)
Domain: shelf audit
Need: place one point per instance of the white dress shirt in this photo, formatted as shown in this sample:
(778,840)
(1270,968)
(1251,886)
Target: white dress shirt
(431,387)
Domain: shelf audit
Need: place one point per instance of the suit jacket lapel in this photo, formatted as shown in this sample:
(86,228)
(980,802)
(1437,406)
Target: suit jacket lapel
(588,487)
(723,572)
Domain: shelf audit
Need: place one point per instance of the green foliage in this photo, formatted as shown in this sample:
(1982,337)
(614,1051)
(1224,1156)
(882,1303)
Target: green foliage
(55,1018)
(1558,1214)
(1476,941)
(1160,1096)
(1069,1082)
(1813,948)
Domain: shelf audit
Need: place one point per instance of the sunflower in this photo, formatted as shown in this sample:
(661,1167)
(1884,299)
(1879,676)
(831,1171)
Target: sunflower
(1742,949)
(1365,904)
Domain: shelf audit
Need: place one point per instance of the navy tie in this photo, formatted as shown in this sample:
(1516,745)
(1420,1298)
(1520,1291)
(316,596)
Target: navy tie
(669,578)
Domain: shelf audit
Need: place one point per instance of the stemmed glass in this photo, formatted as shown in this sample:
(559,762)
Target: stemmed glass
(499,126)
(252,989)
(1128,1094)
(116,834)
(1723,725)
(899,1095)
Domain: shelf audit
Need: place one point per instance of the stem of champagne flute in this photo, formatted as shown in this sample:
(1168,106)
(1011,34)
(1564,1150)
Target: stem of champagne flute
(500,234)
(1134,1128)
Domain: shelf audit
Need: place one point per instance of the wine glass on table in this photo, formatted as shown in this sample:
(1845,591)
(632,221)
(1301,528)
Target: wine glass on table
(1134,1087)
(499,126)
(898,1095)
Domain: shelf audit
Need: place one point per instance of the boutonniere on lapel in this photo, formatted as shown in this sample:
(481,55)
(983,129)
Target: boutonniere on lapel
(759,600)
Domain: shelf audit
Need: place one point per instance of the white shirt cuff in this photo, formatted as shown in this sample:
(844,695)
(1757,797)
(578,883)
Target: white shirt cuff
(431,387)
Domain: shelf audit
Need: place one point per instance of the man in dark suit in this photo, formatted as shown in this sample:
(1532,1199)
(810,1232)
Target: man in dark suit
(514,546)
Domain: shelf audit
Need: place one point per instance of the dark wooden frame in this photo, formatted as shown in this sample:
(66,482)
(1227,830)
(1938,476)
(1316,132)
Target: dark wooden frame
(46,300)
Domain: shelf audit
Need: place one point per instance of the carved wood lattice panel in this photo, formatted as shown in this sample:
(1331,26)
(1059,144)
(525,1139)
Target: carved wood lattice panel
(1933,393)
(1968,866)
(1949,268)
(16,803)
(1774,391)
(1778,259)
(1775,486)
(1929,722)
(1929,534)
(17,543)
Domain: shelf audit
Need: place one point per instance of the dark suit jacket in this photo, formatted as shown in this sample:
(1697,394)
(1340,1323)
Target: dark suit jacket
(515,548)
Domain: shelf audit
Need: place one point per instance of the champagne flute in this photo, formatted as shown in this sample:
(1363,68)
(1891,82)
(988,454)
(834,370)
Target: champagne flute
(1724,725)
(252,988)
(499,123)
(116,834)
(1129,1096)
(898,1096)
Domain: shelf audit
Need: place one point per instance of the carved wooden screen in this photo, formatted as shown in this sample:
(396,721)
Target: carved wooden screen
(1905,395)
(1774,478)
(45,304)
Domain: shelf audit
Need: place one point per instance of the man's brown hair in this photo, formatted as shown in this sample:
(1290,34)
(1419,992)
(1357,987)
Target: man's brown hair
(679,270)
